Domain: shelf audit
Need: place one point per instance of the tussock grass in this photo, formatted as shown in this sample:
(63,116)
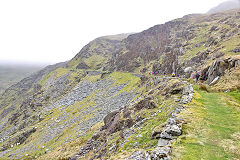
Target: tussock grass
(203,87)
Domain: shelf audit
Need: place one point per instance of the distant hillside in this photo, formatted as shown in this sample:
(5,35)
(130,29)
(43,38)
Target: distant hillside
(231,4)
(11,74)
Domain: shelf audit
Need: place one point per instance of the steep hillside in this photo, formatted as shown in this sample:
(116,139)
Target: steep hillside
(194,41)
(106,103)
(98,53)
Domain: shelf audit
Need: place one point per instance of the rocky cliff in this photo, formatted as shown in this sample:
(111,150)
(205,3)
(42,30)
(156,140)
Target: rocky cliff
(193,41)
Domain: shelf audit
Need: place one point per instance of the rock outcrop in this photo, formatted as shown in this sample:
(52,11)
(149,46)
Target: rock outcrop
(218,68)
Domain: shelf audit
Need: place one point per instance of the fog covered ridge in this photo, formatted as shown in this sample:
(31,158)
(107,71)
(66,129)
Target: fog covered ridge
(11,73)
(227,5)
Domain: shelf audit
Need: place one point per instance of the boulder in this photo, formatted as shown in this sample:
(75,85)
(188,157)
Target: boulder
(173,130)
(218,68)
(204,74)
(188,69)
(145,103)
(214,81)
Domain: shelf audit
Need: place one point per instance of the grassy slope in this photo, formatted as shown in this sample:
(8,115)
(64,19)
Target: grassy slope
(213,127)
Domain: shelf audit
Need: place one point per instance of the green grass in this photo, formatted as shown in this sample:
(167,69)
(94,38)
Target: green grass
(212,122)
(94,61)
(235,95)
(125,78)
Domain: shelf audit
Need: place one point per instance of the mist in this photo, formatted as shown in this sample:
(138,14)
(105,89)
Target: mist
(36,32)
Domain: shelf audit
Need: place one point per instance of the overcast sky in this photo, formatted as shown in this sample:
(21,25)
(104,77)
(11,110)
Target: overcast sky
(52,31)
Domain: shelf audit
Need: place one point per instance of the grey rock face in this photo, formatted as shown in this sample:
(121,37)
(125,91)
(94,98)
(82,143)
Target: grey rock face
(214,81)
(163,142)
(188,69)
(218,68)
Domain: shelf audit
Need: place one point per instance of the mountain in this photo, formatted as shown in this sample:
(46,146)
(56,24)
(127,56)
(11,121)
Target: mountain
(116,99)
(98,53)
(228,5)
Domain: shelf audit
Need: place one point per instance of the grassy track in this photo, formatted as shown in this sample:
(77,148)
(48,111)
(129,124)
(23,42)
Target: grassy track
(213,128)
